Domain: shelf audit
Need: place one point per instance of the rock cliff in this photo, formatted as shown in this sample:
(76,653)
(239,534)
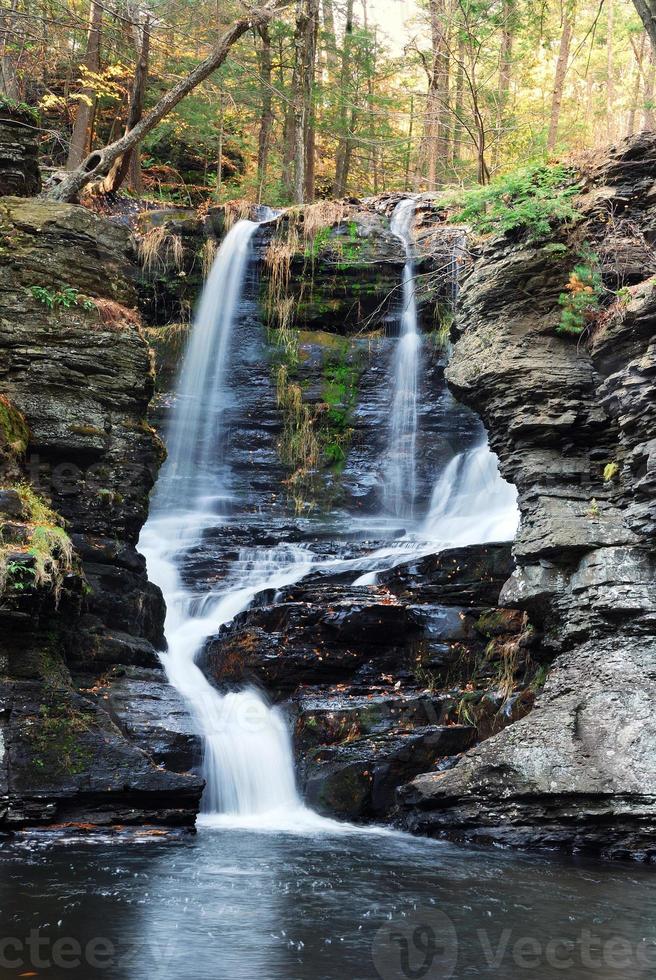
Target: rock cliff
(573,424)
(81,622)
(19,166)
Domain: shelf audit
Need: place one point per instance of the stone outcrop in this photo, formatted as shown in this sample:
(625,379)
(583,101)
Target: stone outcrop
(76,367)
(382,682)
(573,425)
(19,165)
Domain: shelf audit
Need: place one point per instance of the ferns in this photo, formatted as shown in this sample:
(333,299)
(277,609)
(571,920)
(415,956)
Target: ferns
(532,200)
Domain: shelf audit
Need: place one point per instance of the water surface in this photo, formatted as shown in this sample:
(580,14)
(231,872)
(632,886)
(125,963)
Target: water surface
(241,904)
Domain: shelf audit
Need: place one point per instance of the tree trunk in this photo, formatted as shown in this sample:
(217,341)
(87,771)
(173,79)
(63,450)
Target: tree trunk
(639,53)
(266,118)
(98,163)
(459,105)
(561,72)
(505,70)
(344,147)
(309,80)
(332,61)
(129,165)
(408,156)
(610,87)
(648,117)
(647,11)
(371,100)
(434,146)
(8,77)
(81,136)
(298,99)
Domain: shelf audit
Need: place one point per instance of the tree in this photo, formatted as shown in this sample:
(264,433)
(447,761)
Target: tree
(561,71)
(128,164)
(647,11)
(266,115)
(434,147)
(346,116)
(82,130)
(8,78)
(99,162)
(505,70)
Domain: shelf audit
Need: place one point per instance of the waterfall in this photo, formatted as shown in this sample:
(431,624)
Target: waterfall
(470,502)
(195,438)
(247,755)
(248,762)
(401,477)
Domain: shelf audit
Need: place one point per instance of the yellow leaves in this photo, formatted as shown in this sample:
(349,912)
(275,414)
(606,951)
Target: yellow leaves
(82,97)
(104,84)
(51,101)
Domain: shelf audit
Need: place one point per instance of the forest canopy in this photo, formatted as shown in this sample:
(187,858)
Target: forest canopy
(325,98)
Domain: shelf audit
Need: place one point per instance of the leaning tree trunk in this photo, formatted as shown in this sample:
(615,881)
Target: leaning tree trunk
(128,164)
(81,137)
(647,12)
(561,72)
(99,163)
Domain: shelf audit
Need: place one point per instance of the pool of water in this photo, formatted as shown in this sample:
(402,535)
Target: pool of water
(337,905)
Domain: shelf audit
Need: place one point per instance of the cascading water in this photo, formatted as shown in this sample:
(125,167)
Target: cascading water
(248,763)
(401,476)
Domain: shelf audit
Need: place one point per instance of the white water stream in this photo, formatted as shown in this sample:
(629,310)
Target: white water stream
(248,761)
(401,469)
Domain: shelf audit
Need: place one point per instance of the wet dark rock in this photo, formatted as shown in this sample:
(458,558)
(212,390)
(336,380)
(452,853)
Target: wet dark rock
(473,575)
(357,779)
(295,642)
(19,164)
(152,713)
(70,762)
(83,383)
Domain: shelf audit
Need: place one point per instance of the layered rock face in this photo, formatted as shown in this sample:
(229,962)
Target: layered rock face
(87,715)
(378,680)
(573,425)
(19,166)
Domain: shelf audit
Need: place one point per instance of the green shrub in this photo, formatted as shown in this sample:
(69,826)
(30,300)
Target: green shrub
(581,301)
(67,297)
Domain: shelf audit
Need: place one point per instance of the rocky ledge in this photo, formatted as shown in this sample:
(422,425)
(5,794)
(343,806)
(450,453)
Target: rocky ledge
(80,621)
(384,682)
(573,424)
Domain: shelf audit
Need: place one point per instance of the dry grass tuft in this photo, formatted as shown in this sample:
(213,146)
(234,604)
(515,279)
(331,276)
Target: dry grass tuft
(207,255)
(114,316)
(157,247)
(322,214)
(236,211)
